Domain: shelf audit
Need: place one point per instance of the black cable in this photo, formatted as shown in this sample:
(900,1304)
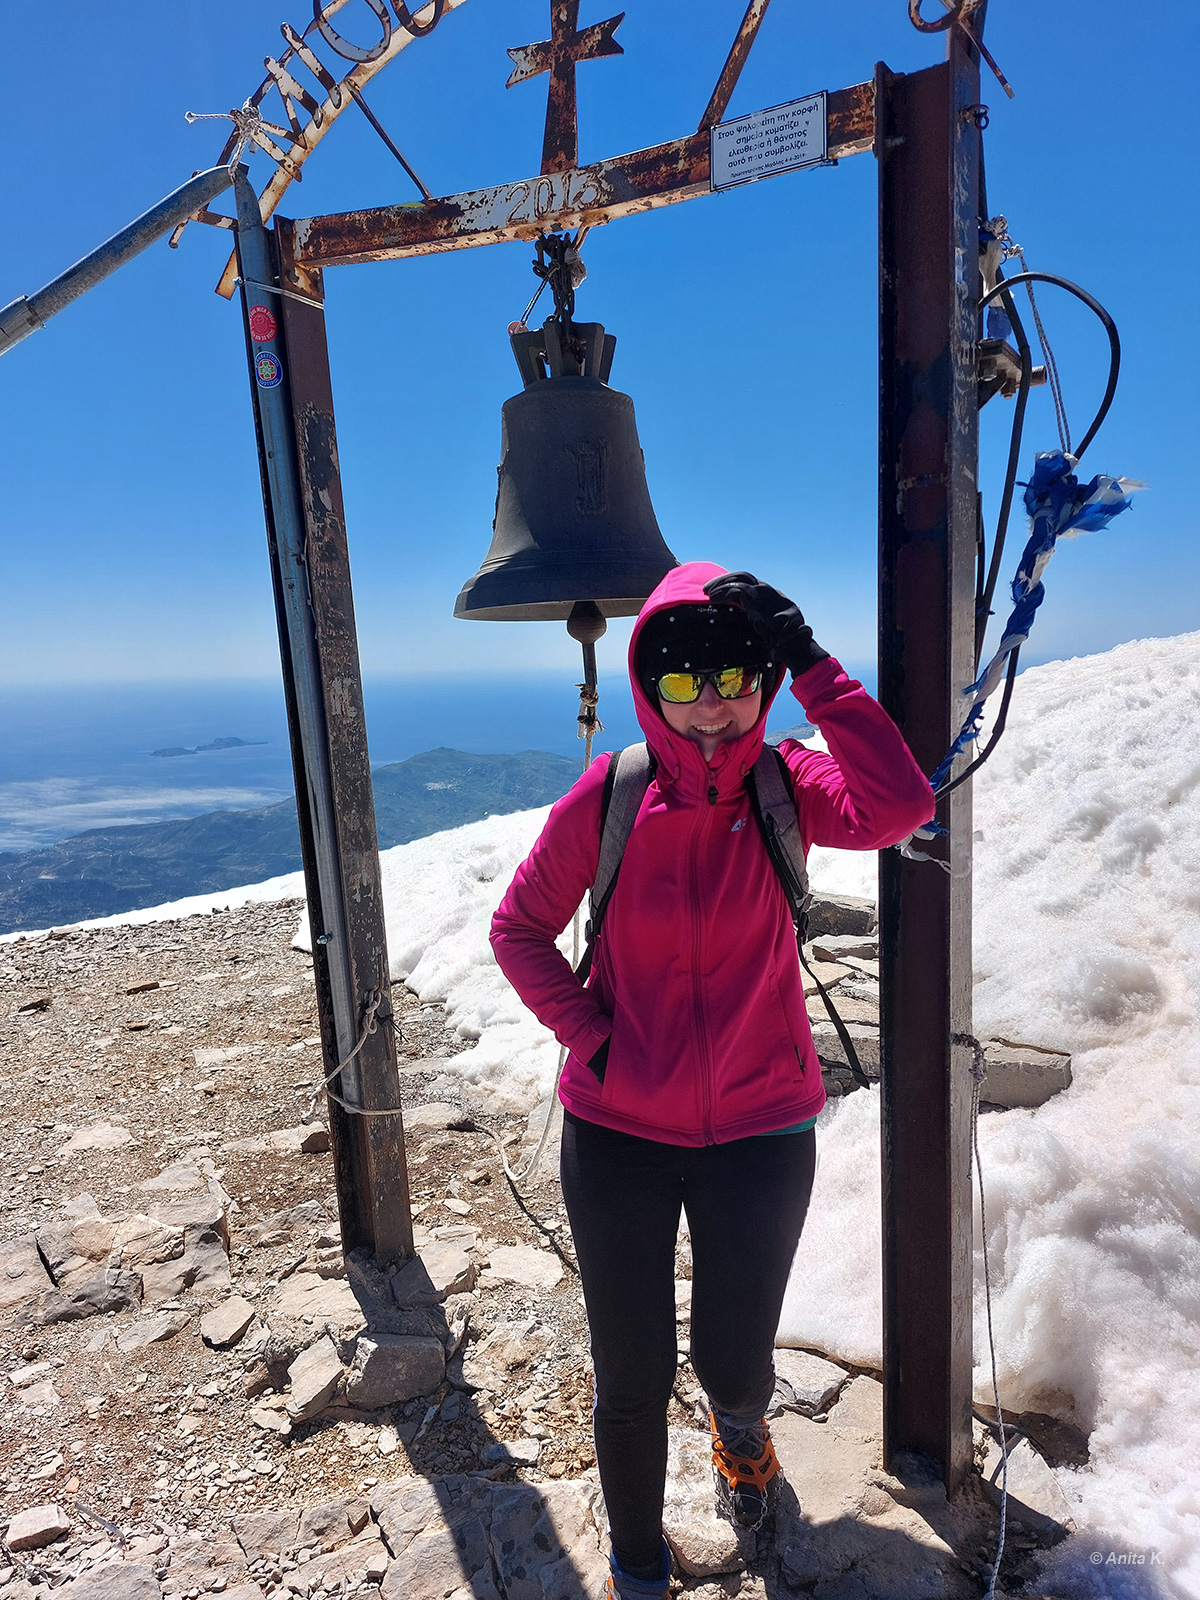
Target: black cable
(1003,289)
(1110,327)
(984,602)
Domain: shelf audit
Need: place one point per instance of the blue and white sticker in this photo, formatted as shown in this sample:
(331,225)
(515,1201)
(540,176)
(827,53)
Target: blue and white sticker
(268,369)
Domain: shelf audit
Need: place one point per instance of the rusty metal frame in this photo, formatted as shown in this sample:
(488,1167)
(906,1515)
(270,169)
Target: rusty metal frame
(310,572)
(929,161)
(926,136)
(582,197)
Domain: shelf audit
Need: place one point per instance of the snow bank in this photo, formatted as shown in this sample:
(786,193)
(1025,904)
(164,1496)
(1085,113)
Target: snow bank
(1087,939)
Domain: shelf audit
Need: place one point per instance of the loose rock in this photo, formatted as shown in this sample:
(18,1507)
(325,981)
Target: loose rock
(806,1383)
(523,1264)
(37,1527)
(520,1452)
(152,1330)
(703,1543)
(491,1363)
(439,1269)
(431,1118)
(225,1324)
(1023,1074)
(117,1580)
(100,1136)
(389,1368)
(22,1275)
(837,946)
(315,1375)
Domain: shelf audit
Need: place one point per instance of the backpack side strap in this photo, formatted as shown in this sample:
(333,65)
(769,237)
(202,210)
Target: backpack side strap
(625,784)
(774,802)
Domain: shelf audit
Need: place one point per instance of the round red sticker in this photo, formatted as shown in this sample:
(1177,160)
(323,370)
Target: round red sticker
(262,324)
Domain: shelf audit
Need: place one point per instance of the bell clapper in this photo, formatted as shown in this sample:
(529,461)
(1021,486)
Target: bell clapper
(586,624)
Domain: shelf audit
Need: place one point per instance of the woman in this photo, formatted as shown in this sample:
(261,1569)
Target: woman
(692,1080)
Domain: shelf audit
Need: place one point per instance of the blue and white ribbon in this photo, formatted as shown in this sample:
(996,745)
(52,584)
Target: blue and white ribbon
(1058,508)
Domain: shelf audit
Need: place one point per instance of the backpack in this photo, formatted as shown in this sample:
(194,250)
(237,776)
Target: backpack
(773,802)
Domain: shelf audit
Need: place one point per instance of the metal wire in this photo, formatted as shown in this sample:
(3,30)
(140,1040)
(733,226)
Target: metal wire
(1055,383)
(978,1072)
(1110,327)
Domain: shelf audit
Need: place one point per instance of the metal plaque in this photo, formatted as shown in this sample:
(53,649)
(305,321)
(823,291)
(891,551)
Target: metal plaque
(779,139)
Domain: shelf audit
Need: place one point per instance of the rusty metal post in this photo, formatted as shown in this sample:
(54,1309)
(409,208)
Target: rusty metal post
(928,149)
(310,569)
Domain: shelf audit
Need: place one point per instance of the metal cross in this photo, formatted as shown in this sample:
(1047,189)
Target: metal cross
(557,55)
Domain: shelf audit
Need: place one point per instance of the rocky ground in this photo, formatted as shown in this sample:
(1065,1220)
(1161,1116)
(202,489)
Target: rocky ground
(203,1396)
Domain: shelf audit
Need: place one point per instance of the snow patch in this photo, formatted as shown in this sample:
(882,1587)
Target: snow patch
(1087,887)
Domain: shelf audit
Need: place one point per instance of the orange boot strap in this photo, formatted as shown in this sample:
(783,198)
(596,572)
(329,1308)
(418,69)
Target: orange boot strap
(738,1470)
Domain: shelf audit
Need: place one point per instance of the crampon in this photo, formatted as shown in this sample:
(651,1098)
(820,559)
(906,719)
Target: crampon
(746,1482)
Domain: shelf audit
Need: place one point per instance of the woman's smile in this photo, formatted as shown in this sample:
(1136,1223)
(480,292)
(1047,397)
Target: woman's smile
(711,721)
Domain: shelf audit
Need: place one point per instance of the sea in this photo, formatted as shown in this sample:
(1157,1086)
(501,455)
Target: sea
(80,757)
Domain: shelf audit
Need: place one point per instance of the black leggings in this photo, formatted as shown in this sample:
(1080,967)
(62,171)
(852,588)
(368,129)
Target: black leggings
(745,1204)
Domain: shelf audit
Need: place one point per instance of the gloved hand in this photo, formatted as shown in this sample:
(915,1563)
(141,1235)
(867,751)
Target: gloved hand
(778,620)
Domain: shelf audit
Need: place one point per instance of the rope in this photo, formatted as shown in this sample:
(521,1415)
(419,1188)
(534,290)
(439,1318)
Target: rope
(978,1073)
(370,1022)
(589,726)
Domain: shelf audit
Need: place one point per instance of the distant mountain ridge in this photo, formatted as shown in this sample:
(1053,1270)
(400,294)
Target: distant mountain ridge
(108,870)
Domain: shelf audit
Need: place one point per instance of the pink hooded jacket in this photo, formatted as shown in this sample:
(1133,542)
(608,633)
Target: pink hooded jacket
(696,974)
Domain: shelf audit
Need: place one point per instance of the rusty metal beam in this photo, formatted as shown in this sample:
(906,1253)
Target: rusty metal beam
(739,52)
(324,115)
(306,535)
(928,146)
(583,197)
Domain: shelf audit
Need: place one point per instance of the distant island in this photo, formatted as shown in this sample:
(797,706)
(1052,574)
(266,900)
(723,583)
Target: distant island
(217,744)
(123,868)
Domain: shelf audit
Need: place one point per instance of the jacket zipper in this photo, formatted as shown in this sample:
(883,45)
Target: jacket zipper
(697,985)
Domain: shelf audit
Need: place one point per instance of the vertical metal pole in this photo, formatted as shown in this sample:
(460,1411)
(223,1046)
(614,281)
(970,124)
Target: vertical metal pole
(927,143)
(293,407)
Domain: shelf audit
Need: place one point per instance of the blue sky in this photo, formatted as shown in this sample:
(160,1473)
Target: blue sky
(746,323)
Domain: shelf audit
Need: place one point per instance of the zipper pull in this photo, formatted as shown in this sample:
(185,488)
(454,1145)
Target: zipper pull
(712,794)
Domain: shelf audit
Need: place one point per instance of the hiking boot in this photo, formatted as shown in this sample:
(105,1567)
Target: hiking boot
(745,1468)
(621,1585)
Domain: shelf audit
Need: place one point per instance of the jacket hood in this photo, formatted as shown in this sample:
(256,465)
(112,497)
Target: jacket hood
(680,760)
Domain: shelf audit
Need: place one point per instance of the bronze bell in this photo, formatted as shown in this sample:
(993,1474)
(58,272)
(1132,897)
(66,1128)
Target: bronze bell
(573,515)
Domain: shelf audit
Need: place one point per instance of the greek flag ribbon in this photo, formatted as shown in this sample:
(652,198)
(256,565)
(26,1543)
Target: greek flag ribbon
(1059,507)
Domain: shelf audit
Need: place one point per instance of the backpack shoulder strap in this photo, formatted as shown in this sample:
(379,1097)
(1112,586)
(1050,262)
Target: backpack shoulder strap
(625,784)
(774,801)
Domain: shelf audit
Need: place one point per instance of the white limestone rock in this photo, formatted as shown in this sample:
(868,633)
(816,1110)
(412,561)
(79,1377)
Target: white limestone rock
(314,1376)
(805,1383)
(37,1527)
(704,1544)
(523,1264)
(99,1136)
(225,1324)
(389,1368)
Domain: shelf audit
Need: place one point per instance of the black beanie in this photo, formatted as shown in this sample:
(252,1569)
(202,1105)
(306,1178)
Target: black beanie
(697,638)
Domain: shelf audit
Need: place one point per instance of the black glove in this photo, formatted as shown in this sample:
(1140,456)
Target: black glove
(776,619)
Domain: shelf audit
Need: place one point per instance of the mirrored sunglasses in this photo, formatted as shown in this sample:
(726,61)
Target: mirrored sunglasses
(731,683)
